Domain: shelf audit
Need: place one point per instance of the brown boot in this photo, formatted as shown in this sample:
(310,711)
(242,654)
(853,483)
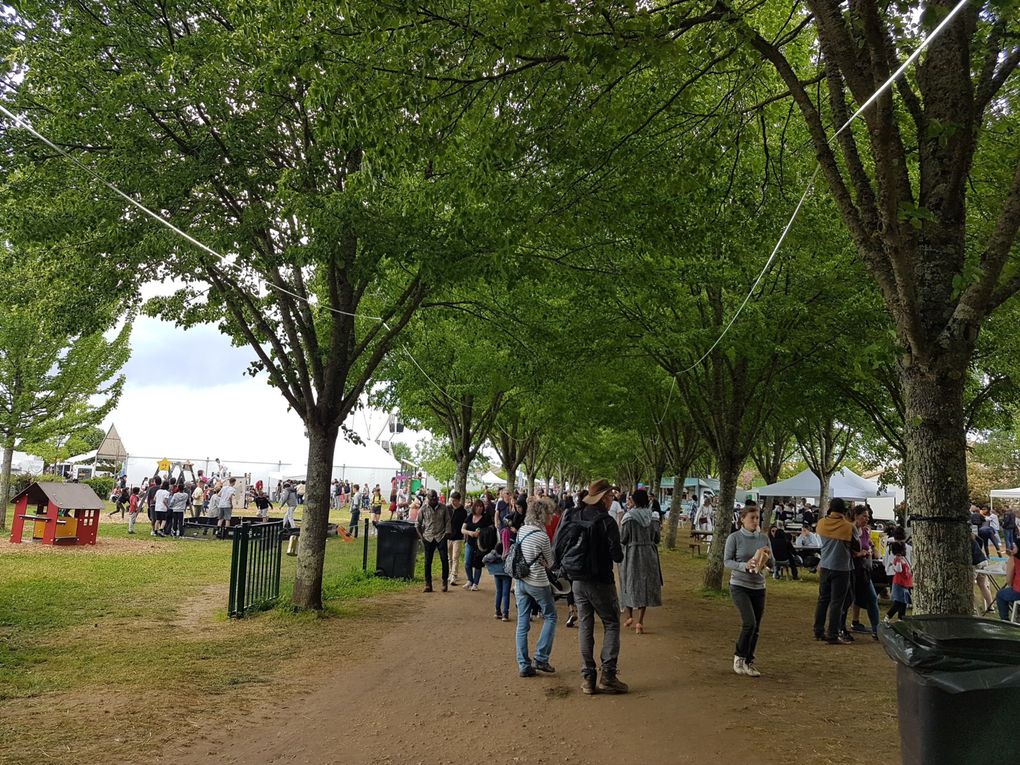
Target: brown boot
(588,687)
(610,683)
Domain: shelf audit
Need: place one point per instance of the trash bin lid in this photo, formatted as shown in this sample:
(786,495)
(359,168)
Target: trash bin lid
(397,527)
(952,643)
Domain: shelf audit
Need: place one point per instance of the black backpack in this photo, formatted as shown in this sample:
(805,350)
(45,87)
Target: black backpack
(487,539)
(516,565)
(576,548)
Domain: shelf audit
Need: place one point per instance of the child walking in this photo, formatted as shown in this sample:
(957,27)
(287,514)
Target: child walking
(902,582)
(133,509)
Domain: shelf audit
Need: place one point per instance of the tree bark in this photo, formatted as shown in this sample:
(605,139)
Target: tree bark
(824,489)
(657,480)
(937,486)
(5,481)
(674,511)
(312,540)
(511,477)
(729,473)
(460,478)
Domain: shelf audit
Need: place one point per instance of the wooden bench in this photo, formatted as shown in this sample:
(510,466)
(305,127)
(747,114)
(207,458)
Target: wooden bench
(695,546)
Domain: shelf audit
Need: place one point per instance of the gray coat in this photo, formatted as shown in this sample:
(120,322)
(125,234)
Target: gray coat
(640,575)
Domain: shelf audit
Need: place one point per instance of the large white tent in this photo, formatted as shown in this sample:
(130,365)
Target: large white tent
(1006,493)
(844,483)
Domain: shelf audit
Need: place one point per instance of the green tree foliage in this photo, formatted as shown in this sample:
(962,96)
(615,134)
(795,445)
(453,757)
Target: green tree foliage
(274,133)
(59,373)
(433,455)
(450,377)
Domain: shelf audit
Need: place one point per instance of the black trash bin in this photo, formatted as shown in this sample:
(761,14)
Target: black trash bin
(396,550)
(958,688)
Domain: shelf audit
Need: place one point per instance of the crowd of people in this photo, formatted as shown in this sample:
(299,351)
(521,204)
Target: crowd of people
(167,502)
(840,548)
(576,546)
(546,548)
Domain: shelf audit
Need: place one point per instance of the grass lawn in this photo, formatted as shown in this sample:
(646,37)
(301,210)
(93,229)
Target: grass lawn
(137,618)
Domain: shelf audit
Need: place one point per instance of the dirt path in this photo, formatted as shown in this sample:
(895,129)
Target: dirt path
(442,687)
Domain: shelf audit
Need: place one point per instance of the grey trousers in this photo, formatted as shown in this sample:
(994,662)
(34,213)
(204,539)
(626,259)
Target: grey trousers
(597,598)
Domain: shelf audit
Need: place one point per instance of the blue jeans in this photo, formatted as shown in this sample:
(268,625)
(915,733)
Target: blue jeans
(527,595)
(1005,598)
(502,594)
(867,598)
(472,566)
(1010,538)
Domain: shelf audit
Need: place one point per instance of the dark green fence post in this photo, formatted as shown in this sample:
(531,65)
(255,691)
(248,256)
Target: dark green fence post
(364,554)
(239,570)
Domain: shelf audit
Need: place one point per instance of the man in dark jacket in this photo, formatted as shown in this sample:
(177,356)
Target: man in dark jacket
(597,594)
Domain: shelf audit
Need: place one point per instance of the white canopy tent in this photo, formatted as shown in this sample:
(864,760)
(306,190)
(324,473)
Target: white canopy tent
(844,484)
(491,479)
(1005,494)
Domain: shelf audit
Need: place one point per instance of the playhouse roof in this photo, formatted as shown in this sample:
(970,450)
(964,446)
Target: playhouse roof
(66,496)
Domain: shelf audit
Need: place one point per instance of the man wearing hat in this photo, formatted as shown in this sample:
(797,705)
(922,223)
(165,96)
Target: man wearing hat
(597,594)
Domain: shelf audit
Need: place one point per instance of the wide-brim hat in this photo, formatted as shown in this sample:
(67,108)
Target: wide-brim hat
(596,491)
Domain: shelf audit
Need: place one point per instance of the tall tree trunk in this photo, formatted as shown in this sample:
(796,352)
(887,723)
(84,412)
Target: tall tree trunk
(312,540)
(657,480)
(461,476)
(674,511)
(531,484)
(936,473)
(824,490)
(511,477)
(729,473)
(5,481)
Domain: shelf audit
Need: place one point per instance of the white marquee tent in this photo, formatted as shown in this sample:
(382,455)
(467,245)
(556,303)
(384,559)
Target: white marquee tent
(844,483)
(1005,493)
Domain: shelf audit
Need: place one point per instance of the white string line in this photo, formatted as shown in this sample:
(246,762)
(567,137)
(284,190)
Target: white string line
(156,216)
(884,87)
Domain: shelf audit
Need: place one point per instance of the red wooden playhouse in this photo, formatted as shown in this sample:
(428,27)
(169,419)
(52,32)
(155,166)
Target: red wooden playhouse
(57,513)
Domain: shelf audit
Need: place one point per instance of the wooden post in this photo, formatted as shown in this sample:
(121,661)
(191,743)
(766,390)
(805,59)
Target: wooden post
(50,533)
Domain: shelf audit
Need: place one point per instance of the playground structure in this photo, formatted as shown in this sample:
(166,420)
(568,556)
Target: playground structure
(65,514)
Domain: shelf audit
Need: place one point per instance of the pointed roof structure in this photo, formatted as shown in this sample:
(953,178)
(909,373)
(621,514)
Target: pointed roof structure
(112,449)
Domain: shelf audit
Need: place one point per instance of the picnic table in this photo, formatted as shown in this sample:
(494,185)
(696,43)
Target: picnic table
(993,569)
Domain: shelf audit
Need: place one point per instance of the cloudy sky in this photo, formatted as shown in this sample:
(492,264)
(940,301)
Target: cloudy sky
(187,395)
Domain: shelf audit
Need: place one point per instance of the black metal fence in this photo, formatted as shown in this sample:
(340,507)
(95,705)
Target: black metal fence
(255,566)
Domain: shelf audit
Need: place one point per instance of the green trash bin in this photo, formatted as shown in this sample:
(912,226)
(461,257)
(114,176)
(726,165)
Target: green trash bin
(958,688)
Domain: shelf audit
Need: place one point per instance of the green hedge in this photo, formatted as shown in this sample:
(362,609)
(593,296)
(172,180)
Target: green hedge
(101,485)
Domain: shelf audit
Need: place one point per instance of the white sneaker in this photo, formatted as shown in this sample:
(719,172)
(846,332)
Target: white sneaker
(739,666)
(474,588)
(750,670)
(467,585)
